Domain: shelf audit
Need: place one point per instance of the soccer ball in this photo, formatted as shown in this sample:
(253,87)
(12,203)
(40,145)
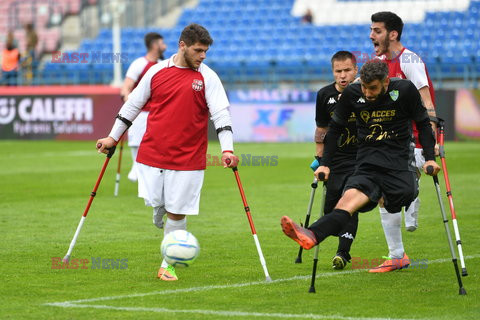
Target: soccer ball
(180,248)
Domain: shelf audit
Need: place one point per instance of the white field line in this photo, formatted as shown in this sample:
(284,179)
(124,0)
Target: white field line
(219,312)
(80,303)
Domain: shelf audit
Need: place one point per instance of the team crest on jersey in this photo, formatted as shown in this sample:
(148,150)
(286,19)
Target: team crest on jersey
(394,95)
(197,85)
(365,115)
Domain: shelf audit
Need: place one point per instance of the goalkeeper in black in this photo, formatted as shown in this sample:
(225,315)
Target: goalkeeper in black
(385,166)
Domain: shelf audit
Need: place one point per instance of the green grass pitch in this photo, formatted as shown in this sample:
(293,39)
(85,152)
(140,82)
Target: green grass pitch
(45,186)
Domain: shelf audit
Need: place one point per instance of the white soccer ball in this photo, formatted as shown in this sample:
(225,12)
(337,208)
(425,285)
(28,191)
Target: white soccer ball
(180,248)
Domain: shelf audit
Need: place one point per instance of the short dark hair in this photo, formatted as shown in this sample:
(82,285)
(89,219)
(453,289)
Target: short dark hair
(374,70)
(391,20)
(342,56)
(194,33)
(150,38)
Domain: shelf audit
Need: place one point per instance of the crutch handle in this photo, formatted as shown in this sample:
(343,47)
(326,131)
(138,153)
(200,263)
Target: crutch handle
(430,169)
(321,176)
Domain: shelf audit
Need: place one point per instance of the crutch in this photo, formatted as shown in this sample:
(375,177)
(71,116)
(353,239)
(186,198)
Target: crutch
(117,178)
(462,290)
(441,140)
(321,176)
(307,217)
(111,151)
(250,221)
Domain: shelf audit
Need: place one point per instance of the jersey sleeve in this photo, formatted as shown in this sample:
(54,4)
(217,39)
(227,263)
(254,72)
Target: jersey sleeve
(420,116)
(322,117)
(214,92)
(134,70)
(414,69)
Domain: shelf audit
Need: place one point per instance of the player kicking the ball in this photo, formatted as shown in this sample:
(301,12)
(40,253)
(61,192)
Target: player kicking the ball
(344,68)
(385,169)
(180,92)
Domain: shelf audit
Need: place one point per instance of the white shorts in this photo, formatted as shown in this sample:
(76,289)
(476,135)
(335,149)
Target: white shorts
(177,192)
(419,159)
(137,130)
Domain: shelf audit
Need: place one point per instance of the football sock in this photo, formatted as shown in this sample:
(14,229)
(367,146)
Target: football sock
(391,223)
(347,235)
(172,225)
(330,224)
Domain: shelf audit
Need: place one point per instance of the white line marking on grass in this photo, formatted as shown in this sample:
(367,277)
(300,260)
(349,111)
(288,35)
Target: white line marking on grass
(218,312)
(80,303)
(239,285)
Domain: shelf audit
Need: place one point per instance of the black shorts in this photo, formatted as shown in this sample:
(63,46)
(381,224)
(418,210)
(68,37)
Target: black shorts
(335,185)
(398,188)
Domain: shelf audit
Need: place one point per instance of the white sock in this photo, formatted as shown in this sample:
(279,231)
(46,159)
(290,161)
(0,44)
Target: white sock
(172,225)
(392,223)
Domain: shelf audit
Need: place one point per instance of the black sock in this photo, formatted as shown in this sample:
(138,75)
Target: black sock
(330,224)
(347,235)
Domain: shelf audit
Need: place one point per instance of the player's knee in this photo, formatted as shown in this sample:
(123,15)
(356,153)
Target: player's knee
(174,216)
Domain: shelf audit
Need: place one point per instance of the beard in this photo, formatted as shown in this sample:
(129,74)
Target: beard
(189,60)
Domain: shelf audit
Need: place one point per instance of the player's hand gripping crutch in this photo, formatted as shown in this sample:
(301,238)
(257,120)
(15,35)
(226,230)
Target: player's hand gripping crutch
(110,153)
(321,177)
(119,165)
(462,290)
(441,140)
(250,221)
(307,217)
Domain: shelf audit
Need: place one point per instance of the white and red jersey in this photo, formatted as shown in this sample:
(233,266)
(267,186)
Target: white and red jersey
(180,100)
(137,70)
(408,65)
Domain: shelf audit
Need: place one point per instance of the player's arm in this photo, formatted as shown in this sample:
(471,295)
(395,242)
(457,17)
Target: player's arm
(322,118)
(415,71)
(428,103)
(343,110)
(218,106)
(129,111)
(127,87)
(425,133)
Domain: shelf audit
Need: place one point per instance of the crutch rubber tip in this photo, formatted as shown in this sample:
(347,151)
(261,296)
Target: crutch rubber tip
(464,272)
(268,279)
(312,290)
(298,260)
(66,259)
(462,291)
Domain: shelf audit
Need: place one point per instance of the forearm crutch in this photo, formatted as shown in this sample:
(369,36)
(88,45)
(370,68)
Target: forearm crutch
(441,140)
(462,290)
(315,256)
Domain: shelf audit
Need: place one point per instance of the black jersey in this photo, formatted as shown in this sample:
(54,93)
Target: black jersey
(384,126)
(344,159)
